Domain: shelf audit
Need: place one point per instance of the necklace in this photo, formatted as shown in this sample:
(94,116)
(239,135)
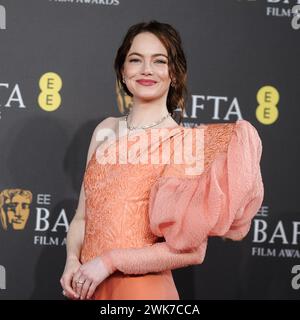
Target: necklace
(148,125)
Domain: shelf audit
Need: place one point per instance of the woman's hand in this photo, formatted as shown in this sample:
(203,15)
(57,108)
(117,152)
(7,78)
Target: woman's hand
(90,275)
(71,267)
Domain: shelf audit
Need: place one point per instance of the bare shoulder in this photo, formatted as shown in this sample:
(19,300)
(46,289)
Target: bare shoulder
(108,122)
(106,128)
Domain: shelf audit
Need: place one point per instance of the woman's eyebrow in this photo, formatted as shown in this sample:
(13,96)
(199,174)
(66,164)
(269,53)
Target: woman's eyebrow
(153,55)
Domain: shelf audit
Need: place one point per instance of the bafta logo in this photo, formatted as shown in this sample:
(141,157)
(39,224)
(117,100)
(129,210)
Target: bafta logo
(14,208)
(124,101)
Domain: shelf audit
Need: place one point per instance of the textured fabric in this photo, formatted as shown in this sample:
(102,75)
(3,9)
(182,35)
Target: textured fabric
(220,202)
(148,218)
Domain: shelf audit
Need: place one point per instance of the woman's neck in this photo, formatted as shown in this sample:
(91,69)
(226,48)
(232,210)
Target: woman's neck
(144,114)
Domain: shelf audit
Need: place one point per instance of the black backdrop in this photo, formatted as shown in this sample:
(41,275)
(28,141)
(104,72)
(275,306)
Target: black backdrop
(243,63)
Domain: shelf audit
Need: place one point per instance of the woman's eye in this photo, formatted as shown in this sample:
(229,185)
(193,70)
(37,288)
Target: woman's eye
(135,60)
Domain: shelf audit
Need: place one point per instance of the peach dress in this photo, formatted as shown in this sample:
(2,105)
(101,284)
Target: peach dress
(153,218)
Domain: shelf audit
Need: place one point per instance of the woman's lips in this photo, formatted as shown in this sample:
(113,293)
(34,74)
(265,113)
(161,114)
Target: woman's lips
(146,82)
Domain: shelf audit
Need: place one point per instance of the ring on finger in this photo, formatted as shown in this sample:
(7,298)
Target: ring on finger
(80,282)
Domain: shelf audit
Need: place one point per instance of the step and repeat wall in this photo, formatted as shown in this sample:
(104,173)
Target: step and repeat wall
(57,83)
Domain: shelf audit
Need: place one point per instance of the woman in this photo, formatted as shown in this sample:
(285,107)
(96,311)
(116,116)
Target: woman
(136,222)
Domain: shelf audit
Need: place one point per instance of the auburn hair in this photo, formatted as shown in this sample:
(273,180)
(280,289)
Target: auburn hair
(171,39)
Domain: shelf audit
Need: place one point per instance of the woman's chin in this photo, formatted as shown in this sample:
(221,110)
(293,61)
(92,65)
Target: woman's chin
(146,97)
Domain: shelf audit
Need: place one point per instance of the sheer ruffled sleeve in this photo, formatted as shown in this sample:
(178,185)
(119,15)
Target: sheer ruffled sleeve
(185,211)
(220,202)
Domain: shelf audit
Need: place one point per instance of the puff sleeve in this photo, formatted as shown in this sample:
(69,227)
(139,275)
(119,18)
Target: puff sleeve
(219,202)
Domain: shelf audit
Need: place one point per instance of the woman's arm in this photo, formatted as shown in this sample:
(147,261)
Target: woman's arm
(75,233)
(76,230)
(73,247)
(153,258)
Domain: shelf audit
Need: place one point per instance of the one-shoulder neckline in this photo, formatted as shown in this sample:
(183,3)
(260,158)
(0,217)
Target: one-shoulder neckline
(111,141)
(139,132)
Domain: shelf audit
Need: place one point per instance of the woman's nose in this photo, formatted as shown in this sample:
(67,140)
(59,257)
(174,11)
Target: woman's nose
(147,68)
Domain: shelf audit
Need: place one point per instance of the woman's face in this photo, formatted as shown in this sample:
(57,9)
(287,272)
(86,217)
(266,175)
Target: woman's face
(147,59)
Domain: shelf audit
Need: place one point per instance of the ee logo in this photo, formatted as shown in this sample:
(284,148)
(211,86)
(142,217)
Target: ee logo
(49,98)
(267,98)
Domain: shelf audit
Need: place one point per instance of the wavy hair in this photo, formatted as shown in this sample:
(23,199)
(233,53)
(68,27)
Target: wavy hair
(171,39)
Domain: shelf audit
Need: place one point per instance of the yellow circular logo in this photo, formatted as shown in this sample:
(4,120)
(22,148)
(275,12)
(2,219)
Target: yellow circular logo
(49,98)
(267,98)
